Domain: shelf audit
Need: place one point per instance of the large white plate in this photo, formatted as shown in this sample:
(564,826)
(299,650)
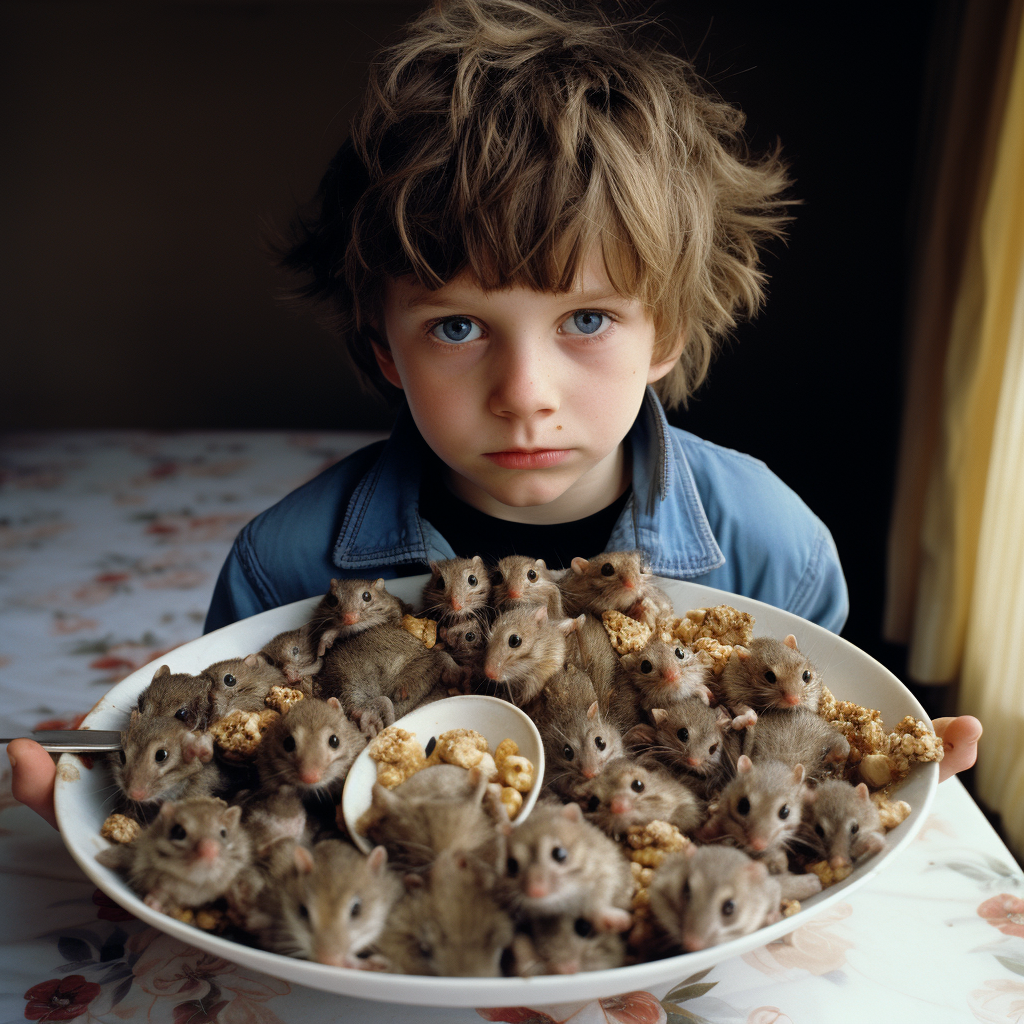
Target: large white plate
(85,797)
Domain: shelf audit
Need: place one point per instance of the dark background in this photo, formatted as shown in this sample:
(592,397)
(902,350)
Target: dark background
(146,143)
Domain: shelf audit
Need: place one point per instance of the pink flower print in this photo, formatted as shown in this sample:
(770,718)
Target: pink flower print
(1004,912)
(629,1008)
(60,999)
(999,1002)
(768,1015)
(812,948)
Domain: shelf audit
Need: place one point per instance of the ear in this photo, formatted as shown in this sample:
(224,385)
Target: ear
(658,715)
(744,764)
(303,859)
(433,566)
(334,703)
(741,652)
(167,809)
(334,583)
(724,719)
(567,626)
(640,734)
(572,812)
(798,774)
(478,560)
(386,362)
(579,565)
(163,670)
(592,711)
(377,860)
(540,563)
(378,584)
(790,641)
(862,792)
(541,613)
(232,816)
(667,360)
(252,660)
(810,796)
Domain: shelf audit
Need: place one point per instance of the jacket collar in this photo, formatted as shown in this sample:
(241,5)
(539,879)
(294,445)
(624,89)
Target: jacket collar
(664,518)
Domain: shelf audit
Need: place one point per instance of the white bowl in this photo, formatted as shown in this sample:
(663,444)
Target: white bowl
(84,798)
(494,719)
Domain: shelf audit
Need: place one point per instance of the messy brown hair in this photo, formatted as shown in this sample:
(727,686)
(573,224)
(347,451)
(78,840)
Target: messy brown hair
(509,138)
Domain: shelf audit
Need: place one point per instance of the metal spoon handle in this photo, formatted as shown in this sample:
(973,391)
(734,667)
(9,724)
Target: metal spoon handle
(70,741)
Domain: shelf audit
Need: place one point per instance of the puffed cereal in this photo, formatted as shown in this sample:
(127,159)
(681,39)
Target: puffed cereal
(828,874)
(462,747)
(517,772)
(281,698)
(424,630)
(626,634)
(119,828)
(398,755)
(239,733)
(513,801)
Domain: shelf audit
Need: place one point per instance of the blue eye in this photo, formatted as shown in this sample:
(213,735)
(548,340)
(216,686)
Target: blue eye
(587,321)
(456,329)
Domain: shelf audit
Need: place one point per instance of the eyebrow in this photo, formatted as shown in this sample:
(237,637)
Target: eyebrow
(582,300)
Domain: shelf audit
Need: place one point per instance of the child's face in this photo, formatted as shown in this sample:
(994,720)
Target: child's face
(526,396)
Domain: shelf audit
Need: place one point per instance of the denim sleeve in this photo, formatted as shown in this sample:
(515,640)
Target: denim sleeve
(240,592)
(820,593)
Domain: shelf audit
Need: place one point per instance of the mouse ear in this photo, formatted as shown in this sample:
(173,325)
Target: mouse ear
(334,583)
(163,670)
(252,660)
(572,812)
(724,719)
(303,859)
(579,565)
(478,560)
(377,860)
(541,563)
(790,641)
(862,792)
(167,809)
(434,567)
(810,796)
(640,734)
(741,652)
(542,613)
(334,703)
(798,773)
(744,764)
(568,626)
(658,715)
(592,711)
(413,882)
(232,816)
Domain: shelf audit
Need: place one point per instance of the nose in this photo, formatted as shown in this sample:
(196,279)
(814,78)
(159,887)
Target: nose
(524,385)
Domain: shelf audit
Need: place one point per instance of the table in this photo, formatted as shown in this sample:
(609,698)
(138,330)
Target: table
(109,546)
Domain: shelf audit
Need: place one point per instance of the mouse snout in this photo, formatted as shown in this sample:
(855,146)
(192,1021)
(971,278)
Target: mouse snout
(207,849)
(514,594)
(589,772)
(692,942)
(758,844)
(671,675)
(310,775)
(350,618)
(791,699)
(537,884)
(839,861)
(621,805)
(693,762)
(456,604)
(491,671)
(138,793)
(566,966)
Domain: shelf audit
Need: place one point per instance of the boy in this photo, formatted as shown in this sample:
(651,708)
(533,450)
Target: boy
(537,220)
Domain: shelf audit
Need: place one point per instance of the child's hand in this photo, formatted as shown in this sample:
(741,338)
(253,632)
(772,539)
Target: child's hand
(34,774)
(960,740)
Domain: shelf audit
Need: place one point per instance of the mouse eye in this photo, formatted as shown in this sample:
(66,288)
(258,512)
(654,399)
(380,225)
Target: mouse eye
(223,833)
(568,753)
(295,652)
(439,583)
(727,908)
(681,654)
(303,910)
(160,755)
(854,829)
(683,734)
(181,714)
(512,867)
(288,743)
(806,677)
(593,804)
(559,853)
(331,601)
(426,951)
(743,805)
(356,907)
(123,756)
(599,742)
(367,596)
(230,680)
(712,748)
(471,580)
(515,640)
(531,575)
(583,928)
(637,786)
(470,637)
(177,832)
(820,831)
(333,741)
(784,812)
(769,676)
(607,569)
(646,666)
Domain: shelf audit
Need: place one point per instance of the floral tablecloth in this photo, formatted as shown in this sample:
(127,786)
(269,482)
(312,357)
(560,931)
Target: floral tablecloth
(110,544)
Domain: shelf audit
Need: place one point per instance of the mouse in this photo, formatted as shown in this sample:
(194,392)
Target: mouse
(162,759)
(759,810)
(332,903)
(795,737)
(841,822)
(294,654)
(692,739)
(657,675)
(628,793)
(565,944)
(578,739)
(448,924)
(241,684)
(382,673)
(521,580)
(178,695)
(466,643)
(272,814)
(430,812)
(349,608)
(614,581)
(194,852)
(559,863)
(525,649)
(458,588)
(707,895)
(311,747)
(768,673)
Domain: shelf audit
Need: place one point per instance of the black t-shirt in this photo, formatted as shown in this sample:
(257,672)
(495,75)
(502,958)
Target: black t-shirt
(471,532)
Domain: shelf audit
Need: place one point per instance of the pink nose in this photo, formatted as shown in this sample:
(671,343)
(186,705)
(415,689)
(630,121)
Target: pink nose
(456,605)
(670,675)
(588,773)
(693,761)
(692,943)
(759,843)
(839,861)
(310,777)
(490,671)
(536,890)
(620,805)
(515,594)
(350,618)
(138,793)
(207,849)
(791,699)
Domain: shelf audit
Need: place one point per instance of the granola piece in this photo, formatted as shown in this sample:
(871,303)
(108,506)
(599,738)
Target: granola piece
(398,755)
(238,734)
(790,907)
(424,630)
(714,653)
(650,844)
(513,801)
(281,698)
(626,634)
(728,625)
(828,874)
(891,812)
(119,828)
(462,747)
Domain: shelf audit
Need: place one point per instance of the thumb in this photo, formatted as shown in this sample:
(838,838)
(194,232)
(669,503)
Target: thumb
(33,777)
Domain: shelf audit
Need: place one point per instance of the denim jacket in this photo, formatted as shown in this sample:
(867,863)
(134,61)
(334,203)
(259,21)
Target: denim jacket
(700,512)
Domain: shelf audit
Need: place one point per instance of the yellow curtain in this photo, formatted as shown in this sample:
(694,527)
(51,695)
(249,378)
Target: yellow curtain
(965,606)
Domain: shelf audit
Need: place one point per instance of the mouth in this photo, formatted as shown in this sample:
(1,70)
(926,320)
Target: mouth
(528,458)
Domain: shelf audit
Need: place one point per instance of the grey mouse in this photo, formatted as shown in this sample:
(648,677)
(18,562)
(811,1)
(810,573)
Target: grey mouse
(458,589)
(521,580)
(841,822)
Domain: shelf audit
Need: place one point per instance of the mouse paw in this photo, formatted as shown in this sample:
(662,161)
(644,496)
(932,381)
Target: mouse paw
(376,715)
(744,721)
(614,920)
